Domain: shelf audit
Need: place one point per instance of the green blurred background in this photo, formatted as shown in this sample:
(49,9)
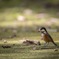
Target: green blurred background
(29,12)
(26,16)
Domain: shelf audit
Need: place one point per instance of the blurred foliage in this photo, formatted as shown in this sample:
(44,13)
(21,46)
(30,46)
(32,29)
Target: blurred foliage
(28,2)
(33,4)
(11,9)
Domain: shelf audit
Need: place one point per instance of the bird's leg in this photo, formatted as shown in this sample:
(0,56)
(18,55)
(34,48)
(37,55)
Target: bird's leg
(45,44)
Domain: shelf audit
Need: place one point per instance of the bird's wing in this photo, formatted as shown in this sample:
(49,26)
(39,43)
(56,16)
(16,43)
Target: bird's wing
(50,38)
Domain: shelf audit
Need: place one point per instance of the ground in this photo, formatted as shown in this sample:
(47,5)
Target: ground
(26,52)
(19,51)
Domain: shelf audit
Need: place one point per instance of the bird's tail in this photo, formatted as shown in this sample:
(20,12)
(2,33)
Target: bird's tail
(54,43)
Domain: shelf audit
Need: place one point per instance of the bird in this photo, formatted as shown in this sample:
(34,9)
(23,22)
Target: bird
(46,36)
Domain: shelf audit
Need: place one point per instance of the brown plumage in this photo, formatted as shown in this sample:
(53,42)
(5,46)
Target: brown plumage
(46,37)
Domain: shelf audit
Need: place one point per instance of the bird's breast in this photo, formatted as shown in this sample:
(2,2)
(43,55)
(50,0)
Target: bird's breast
(45,37)
(42,35)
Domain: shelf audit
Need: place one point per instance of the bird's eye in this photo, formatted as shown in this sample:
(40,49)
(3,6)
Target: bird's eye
(42,31)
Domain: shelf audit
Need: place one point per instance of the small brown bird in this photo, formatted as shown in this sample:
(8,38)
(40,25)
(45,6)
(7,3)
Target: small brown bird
(45,36)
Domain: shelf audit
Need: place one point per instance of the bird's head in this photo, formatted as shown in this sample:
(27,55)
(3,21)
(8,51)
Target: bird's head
(42,30)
